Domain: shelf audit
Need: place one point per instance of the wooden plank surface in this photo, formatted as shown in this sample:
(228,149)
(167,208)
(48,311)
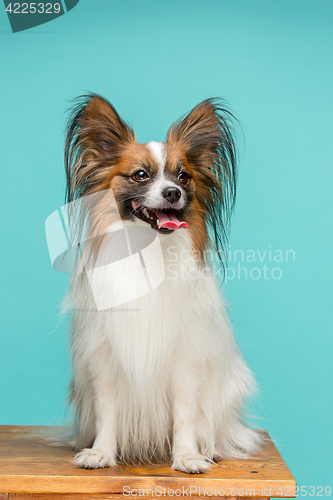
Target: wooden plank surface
(29,465)
(100,496)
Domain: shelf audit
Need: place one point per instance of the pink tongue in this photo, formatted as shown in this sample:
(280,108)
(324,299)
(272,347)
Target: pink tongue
(169,220)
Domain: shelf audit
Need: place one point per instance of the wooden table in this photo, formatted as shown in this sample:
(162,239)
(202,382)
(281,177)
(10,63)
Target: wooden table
(30,469)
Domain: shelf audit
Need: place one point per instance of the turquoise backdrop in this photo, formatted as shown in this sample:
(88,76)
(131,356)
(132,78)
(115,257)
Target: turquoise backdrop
(155,60)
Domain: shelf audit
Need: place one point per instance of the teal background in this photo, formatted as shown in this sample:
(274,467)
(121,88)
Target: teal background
(154,61)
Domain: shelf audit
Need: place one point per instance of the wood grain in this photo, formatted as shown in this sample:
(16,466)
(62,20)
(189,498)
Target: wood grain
(29,465)
(102,496)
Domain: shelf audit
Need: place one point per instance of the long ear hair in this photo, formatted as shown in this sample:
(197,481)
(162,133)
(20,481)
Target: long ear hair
(205,136)
(95,139)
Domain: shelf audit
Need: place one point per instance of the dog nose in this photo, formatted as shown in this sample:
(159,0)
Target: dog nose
(172,194)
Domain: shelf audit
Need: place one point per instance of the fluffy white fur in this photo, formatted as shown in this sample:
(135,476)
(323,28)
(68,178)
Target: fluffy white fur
(161,377)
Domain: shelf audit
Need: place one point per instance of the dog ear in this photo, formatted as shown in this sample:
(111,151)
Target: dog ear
(197,133)
(204,134)
(96,136)
(205,138)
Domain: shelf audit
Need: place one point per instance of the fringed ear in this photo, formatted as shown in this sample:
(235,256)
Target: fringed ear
(205,138)
(96,136)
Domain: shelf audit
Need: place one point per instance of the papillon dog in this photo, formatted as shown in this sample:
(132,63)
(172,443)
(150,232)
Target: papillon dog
(157,374)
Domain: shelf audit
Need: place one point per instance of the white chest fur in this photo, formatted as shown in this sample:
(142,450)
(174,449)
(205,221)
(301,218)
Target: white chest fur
(138,363)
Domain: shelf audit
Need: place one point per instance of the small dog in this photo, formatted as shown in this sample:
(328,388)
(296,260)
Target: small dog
(162,379)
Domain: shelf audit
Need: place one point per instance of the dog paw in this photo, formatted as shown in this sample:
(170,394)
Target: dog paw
(88,458)
(191,464)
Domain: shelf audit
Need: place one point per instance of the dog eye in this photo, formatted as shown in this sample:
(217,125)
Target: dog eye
(183,177)
(140,175)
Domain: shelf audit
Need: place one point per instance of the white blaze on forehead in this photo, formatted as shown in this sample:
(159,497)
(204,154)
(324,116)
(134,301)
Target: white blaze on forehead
(157,149)
(154,197)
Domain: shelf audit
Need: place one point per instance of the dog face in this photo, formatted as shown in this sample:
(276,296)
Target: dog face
(187,182)
(152,183)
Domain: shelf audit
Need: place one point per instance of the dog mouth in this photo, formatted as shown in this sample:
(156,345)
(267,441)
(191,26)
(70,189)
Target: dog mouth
(164,220)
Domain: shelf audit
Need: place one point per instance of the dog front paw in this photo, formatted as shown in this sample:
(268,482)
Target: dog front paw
(88,458)
(191,464)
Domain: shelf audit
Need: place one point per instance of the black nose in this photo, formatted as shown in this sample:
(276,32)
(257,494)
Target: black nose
(172,194)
